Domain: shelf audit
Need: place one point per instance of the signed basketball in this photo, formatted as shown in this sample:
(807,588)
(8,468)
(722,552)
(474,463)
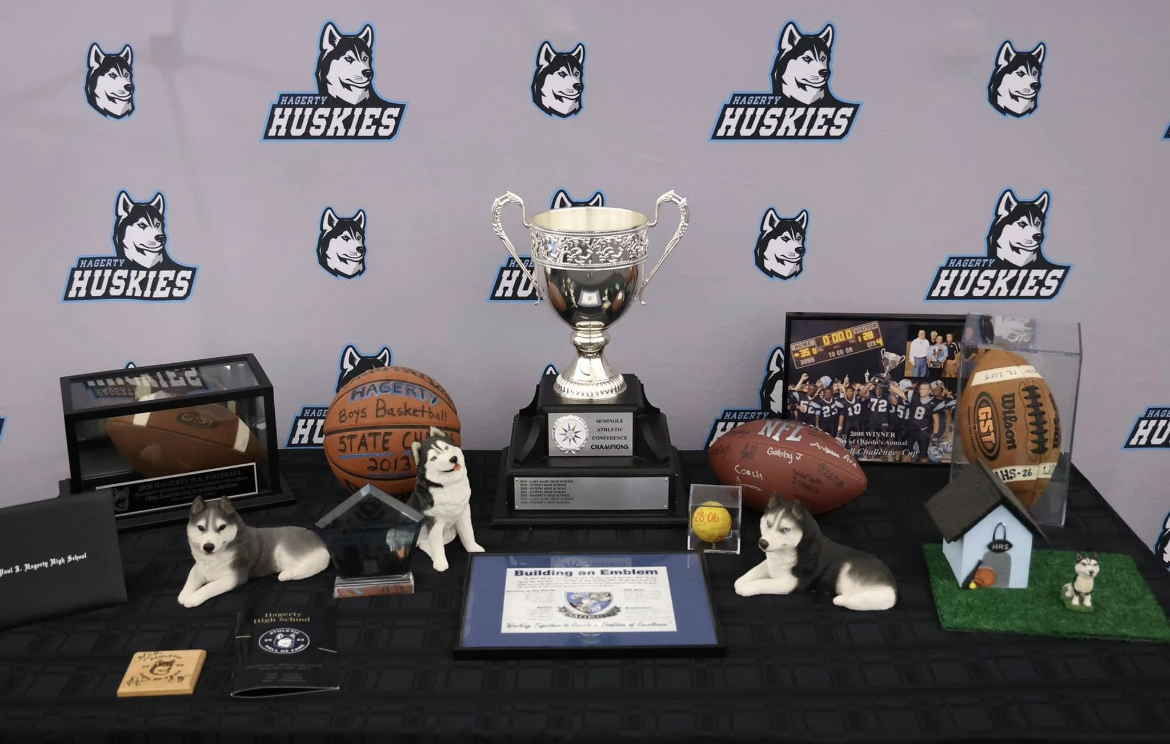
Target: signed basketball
(374,419)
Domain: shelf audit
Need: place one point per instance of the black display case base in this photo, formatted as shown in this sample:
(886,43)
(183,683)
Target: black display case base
(178,512)
(503,515)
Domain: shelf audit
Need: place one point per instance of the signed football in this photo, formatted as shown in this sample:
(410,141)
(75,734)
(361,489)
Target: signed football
(1008,420)
(184,440)
(788,458)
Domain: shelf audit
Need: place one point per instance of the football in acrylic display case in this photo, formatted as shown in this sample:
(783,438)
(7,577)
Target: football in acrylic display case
(1019,380)
(883,385)
(158,437)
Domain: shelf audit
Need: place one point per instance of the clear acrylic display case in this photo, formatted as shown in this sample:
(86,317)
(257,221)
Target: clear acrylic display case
(157,437)
(727,497)
(1054,349)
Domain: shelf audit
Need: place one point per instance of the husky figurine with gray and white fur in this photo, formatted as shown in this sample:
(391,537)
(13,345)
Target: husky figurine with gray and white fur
(442,493)
(228,552)
(800,558)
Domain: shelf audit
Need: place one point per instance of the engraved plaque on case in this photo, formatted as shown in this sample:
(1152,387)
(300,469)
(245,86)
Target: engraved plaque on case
(584,434)
(593,494)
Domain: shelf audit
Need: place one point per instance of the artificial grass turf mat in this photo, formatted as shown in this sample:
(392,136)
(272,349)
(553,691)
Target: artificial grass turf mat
(1123,605)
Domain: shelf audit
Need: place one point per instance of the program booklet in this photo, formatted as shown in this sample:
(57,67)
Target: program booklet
(285,653)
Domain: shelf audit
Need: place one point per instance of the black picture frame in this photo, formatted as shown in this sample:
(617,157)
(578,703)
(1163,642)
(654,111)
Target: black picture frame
(554,650)
(947,319)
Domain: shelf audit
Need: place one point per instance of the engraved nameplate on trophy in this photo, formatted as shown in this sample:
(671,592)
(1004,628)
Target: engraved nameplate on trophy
(585,434)
(622,494)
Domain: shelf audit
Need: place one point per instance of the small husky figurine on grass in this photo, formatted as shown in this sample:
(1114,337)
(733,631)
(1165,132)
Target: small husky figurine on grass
(800,558)
(443,494)
(1078,593)
(228,552)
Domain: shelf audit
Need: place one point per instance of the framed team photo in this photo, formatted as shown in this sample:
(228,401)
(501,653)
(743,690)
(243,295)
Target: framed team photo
(883,385)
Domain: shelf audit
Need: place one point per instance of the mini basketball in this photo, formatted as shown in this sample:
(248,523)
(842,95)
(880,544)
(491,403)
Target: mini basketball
(374,419)
(1009,421)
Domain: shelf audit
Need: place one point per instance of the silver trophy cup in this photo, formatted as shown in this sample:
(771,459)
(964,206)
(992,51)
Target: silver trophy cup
(590,262)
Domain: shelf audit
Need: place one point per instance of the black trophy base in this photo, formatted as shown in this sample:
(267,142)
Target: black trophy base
(175,513)
(623,470)
(505,515)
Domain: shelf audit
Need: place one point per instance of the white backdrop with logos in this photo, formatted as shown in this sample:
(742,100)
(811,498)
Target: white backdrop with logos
(899,166)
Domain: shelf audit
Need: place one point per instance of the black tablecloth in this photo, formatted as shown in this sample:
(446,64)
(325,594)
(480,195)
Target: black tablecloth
(797,668)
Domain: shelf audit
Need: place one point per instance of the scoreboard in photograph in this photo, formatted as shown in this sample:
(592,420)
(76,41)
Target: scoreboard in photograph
(837,344)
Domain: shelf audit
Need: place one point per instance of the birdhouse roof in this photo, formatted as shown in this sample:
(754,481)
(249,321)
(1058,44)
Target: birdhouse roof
(965,501)
(371,492)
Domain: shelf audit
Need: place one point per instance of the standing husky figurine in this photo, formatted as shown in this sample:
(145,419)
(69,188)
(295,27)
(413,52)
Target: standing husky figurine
(1078,593)
(443,494)
(228,552)
(799,558)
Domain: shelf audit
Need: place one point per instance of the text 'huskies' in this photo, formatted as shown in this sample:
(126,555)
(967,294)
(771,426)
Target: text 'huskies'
(1014,267)
(140,268)
(1151,430)
(345,106)
(800,105)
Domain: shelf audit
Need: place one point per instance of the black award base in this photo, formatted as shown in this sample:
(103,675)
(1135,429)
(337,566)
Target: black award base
(573,463)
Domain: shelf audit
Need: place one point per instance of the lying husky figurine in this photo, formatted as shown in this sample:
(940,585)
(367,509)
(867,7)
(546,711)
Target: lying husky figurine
(228,552)
(800,558)
(443,494)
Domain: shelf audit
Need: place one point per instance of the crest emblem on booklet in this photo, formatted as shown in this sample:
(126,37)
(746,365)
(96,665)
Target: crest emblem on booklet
(589,448)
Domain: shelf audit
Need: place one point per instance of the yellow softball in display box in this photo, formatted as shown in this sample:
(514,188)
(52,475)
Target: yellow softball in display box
(711,522)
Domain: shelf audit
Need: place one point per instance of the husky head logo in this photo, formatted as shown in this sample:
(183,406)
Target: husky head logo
(341,248)
(561,200)
(109,82)
(345,66)
(550,369)
(772,388)
(162,667)
(801,70)
(780,247)
(558,82)
(354,364)
(1017,233)
(140,231)
(1014,88)
(1162,544)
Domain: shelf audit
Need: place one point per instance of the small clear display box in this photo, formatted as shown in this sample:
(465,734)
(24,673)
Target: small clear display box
(714,518)
(1053,348)
(157,437)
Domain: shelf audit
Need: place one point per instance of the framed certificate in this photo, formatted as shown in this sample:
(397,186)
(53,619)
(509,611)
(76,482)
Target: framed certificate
(587,604)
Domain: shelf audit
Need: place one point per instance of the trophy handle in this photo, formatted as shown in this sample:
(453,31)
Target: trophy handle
(498,207)
(684,220)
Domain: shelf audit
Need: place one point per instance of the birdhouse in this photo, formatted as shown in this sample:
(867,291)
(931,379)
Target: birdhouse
(987,533)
